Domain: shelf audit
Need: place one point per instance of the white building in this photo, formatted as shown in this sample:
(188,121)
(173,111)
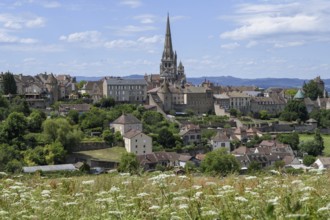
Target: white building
(137,142)
(220,140)
(125,123)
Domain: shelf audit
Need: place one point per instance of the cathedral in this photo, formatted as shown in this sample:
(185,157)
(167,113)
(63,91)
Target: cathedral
(169,71)
(169,92)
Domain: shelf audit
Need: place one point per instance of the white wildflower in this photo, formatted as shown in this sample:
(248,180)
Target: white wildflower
(15,187)
(250,177)
(183,177)
(210,183)
(142,194)
(295,216)
(124,174)
(227,187)
(115,213)
(9,181)
(183,206)
(247,217)
(2,212)
(174,217)
(114,189)
(88,182)
(275,172)
(304,199)
(126,182)
(180,198)
(307,188)
(70,203)
(198,194)
(154,207)
(209,213)
(3,174)
(273,201)
(78,194)
(196,186)
(241,199)
(296,182)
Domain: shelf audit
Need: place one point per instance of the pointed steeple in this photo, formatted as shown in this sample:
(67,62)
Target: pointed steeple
(168,49)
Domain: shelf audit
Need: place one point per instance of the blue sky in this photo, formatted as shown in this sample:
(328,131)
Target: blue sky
(246,39)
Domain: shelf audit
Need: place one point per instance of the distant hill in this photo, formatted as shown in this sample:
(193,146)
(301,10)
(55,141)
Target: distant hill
(233,81)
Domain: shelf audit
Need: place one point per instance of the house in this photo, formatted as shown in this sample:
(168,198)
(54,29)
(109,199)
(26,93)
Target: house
(125,123)
(220,140)
(184,159)
(322,163)
(137,142)
(190,134)
(166,159)
(94,89)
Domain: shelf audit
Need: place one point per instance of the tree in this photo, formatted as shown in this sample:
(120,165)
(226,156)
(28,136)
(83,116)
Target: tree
(35,120)
(105,103)
(14,127)
(73,116)
(9,84)
(312,90)
(166,138)
(290,92)
(292,139)
(80,84)
(311,148)
(294,109)
(54,153)
(62,131)
(254,166)
(264,115)
(220,162)
(233,112)
(318,138)
(108,137)
(128,163)
(308,160)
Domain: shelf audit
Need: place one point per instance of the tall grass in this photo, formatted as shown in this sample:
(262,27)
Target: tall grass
(165,196)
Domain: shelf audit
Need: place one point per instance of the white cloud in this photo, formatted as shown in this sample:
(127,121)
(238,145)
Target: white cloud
(51,4)
(120,44)
(131,3)
(6,38)
(230,46)
(17,22)
(301,20)
(35,23)
(289,44)
(151,40)
(252,44)
(86,37)
(132,29)
(145,18)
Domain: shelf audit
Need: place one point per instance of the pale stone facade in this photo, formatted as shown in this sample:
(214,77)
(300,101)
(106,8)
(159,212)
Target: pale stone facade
(137,142)
(125,123)
(125,90)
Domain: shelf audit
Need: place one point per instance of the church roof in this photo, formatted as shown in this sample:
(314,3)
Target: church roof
(127,119)
(299,95)
(168,49)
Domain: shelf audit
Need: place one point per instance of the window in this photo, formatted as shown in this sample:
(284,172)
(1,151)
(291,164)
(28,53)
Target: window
(223,144)
(144,146)
(135,146)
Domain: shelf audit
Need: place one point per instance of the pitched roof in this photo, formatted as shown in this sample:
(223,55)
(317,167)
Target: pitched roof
(184,158)
(220,136)
(127,119)
(132,133)
(325,160)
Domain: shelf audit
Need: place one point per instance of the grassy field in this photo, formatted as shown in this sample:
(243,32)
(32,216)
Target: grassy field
(326,139)
(111,154)
(165,196)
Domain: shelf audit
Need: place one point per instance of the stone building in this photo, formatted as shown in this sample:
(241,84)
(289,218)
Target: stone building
(125,90)
(137,142)
(125,123)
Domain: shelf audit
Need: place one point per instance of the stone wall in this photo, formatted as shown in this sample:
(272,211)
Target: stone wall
(85,146)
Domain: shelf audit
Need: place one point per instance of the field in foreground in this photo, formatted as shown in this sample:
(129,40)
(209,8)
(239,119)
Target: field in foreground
(326,139)
(165,196)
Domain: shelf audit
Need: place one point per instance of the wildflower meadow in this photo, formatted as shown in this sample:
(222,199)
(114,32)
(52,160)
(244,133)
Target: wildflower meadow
(165,196)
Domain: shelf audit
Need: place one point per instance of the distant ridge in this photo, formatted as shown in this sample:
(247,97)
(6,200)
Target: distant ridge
(233,81)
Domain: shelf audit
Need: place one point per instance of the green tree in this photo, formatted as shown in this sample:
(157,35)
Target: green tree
(36,156)
(233,112)
(294,109)
(7,154)
(292,139)
(73,116)
(128,163)
(318,138)
(308,160)
(14,127)
(19,104)
(220,162)
(291,92)
(80,84)
(312,90)
(311,147)
(35,120)
(254,166)
(105,102)
(108,137)
(60,130)
(166,138)
(264,115)
(54,153)
(9,84)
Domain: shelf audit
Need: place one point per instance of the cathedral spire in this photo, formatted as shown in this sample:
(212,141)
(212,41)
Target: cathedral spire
(168,49)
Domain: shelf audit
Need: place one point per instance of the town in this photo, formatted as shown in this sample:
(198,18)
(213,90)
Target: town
(162,120)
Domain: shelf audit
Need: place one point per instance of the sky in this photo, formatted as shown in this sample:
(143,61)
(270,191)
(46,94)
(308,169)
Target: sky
(239,38)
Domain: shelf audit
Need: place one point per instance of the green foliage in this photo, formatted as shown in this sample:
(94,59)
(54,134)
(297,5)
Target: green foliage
(308,160)
(13,127)
(254,166)
(264,115)
(233,112)
(73,116)
(208,133)
(19,104)
(9,156)
(80,84)
(220,162)
(322,116)
(291,92)
(295,109)
(312,90)
(93,119)
(9,84)
(105,102)
(108,137)
(54,153)
(311,148)
(292,139)
(35,120)
(60,130)
(129,163)
(279,164)
(166,138)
